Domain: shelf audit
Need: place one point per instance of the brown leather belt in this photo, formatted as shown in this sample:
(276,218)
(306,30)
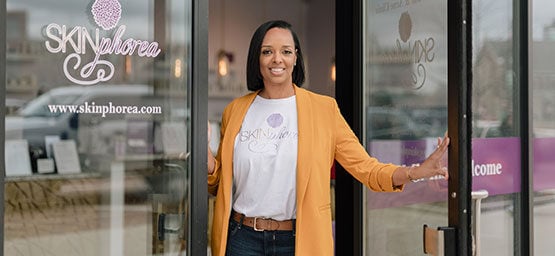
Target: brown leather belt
(262,224)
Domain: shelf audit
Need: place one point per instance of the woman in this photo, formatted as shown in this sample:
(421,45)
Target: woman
(271,175)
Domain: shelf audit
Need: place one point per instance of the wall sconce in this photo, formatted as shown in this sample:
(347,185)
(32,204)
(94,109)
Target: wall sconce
(177,68)
(224,60)
(332,71)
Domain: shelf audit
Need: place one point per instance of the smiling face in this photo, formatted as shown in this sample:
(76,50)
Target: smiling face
(277,57)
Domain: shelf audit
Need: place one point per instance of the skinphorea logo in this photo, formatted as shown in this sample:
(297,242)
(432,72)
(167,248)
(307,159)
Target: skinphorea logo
(421,51)
(106,13)
(78,40)
(418,53)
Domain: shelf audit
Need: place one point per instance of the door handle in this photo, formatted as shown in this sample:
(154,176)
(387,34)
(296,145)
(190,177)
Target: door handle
(164,222)
(477,197)
(439,241)
(161,227)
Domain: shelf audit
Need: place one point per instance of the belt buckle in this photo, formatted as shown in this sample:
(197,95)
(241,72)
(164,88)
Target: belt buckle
(254,224)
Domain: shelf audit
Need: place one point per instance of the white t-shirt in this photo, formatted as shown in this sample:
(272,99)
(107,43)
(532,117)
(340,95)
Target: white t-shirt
(265,160)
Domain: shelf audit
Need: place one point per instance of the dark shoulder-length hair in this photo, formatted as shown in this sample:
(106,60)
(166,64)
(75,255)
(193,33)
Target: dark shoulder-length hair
(254,77)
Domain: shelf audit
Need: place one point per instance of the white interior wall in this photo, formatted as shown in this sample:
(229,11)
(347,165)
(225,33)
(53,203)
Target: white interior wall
(232,23)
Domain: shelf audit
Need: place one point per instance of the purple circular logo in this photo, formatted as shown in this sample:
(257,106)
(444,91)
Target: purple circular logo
(106,13)
(405,26)
(275,120)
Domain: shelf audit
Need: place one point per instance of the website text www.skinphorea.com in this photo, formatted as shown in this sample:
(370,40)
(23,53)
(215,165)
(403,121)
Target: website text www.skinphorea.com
(110,108)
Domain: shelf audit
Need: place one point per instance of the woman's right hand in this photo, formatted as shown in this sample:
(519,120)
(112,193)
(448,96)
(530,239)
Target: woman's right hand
(433,165)
(211,160)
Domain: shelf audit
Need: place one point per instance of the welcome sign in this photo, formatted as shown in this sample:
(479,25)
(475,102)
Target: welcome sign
(495,167)
(77,40)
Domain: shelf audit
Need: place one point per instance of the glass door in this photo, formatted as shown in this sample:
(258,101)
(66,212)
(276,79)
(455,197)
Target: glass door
(405,108)
(496,127)
(98,127)
(543,107)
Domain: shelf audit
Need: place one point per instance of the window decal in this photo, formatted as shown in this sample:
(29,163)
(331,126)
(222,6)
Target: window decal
(106,13)
(78,39)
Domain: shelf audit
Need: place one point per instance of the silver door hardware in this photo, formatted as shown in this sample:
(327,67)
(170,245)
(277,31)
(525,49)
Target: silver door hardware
(477,197)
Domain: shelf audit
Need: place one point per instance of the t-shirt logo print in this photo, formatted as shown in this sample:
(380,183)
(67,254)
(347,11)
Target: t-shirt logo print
(106,13)
(275,120)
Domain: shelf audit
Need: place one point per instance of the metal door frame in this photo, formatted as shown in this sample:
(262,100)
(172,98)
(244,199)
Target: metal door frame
(3,116)
(349,60)
(198,225)
(459,93)
(349,228)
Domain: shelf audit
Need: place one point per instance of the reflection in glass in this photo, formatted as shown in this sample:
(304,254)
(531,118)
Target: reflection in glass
(493,95)
(108,162)
(493,89)
(543,109)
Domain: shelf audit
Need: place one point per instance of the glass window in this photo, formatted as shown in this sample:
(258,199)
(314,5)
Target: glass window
(405,100)
(495,144)
(543,109)
(98,127)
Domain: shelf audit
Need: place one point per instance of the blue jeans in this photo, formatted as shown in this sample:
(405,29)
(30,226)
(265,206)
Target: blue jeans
(245,241)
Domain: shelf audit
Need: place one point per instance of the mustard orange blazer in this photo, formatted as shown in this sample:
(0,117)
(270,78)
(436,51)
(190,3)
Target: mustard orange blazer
(324,135)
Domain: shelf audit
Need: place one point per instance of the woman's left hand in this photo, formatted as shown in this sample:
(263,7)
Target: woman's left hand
(433,165)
